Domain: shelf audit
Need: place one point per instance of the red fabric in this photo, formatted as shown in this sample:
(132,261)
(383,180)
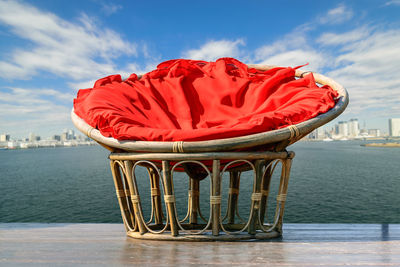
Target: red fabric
(188,100)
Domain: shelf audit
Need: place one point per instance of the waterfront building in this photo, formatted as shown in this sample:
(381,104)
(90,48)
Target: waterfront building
(71,134)
(353,128)
(331,132)
(4,138)
(32,137)
(374,132)
(320,133)
(64,136)
(68,134)
(317,134)
(394,127)
(343,128)
(364,132)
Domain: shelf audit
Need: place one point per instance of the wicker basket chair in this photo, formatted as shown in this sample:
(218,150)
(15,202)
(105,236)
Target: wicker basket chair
(211,158)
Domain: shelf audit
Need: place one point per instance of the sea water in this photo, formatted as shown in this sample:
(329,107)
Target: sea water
(331,182)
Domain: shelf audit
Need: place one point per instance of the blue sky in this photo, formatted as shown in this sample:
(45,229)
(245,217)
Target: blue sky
(50,49)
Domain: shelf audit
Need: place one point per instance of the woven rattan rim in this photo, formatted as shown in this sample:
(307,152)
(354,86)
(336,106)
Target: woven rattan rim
(290,134)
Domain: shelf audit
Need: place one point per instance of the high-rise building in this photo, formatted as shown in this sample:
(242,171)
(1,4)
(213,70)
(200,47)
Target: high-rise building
(336,129)
(64,136)
(32,137)
(394,127)
(320,133)
(4,137)
(343,128)
(374,132)
(353,127)
(71,134)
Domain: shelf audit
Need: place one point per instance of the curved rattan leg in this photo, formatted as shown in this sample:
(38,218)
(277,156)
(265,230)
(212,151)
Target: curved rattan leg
(215,197)
(265,185)
(169,197)
(155,195)
(194,200)
(233,195)
(128,196)
(135,198)
(122,195)
(256,197)
(283,188)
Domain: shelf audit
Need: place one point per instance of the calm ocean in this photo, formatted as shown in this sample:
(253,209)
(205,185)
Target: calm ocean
(331,182)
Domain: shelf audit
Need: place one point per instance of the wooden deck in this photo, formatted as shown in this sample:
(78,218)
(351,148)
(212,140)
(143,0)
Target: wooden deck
(106,245)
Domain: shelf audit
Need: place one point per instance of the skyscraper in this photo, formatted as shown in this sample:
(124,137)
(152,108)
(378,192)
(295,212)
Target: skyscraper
(343,128)
(71,134)
(394,127)
(4,137)
(32,137)
(354,128)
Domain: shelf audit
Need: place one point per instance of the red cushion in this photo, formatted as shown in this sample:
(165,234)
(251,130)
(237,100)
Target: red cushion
(189,100)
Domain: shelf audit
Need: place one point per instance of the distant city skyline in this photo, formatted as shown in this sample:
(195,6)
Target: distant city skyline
(354,131)
(65,134)
(51,49)
(344,130)
(66,138)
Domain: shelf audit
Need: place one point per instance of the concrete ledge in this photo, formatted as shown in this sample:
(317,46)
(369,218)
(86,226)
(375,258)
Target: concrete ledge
(107,245)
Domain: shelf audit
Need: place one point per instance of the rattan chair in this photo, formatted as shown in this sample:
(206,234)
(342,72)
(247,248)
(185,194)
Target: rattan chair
(211,160)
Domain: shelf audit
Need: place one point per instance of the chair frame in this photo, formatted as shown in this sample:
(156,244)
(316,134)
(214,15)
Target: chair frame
(215,158)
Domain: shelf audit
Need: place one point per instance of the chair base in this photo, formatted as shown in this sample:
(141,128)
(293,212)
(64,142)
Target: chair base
(205,237)
(164,222)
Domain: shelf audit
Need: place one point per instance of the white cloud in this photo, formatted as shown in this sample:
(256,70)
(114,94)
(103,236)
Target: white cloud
(393,2)
(78,50)
(364,60)
(138,69)
(292,41)
(368,68)
(109,8)
(213,50)
(292,50)
(17,95)
(343,38)
(125,73)
(34,109)
(9,70)
(82,84)
(337,15)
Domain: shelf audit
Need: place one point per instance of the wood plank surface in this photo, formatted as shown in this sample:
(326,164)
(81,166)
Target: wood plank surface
(32,244)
